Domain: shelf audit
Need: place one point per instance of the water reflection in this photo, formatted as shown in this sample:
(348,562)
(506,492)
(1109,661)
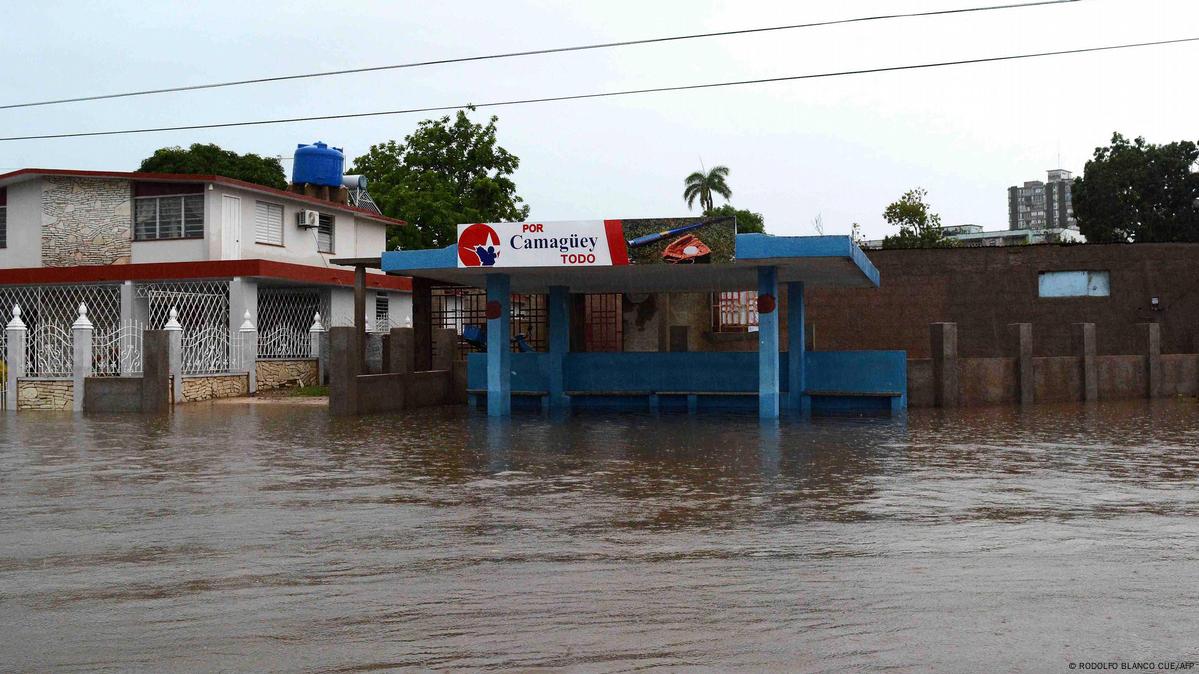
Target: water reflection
(265,537)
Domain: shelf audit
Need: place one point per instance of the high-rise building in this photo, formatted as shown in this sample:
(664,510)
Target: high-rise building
(1042,205)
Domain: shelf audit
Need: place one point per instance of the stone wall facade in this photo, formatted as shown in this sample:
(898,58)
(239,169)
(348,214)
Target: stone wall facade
(200,388)
(86,221)
(273,374)
(45,394)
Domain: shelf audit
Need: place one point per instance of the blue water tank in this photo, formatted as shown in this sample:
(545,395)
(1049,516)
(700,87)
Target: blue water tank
(318,164)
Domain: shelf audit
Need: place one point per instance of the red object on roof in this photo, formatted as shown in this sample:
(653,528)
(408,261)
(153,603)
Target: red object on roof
(164,271)
(15,176)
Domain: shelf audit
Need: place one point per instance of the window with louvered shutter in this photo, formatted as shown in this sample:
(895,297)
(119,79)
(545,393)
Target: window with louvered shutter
(268,223)
(324,234)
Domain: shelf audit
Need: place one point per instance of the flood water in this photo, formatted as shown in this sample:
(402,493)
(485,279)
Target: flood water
(272,537)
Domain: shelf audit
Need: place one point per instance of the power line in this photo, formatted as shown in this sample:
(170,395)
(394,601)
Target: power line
(626,92)
(535,52)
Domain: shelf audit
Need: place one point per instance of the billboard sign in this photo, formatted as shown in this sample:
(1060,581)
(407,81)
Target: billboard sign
(596,243)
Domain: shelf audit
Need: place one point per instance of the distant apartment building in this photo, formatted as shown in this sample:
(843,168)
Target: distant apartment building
(1042,205)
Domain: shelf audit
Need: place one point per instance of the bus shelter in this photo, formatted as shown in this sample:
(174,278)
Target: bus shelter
(635,257)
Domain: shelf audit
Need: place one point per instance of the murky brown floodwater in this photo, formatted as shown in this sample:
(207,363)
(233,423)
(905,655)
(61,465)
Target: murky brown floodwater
(254,538)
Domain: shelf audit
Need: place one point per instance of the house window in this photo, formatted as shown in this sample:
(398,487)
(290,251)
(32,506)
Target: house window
(735,311)
(268,223)
(382,313)
(168,211)
(1074,284)
(324,234)
(3,217)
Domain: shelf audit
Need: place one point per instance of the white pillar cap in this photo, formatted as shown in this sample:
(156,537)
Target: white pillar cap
(173,321)
(83,322)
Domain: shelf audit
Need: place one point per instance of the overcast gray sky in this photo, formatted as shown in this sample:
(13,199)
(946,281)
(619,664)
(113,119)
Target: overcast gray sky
(841,147)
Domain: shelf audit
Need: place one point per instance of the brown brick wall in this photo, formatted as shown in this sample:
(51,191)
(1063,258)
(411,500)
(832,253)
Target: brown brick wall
(985,289)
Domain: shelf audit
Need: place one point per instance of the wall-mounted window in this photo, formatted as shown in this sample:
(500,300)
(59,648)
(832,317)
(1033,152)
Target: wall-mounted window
(1074,284)
(3,217)
(168,211)
(268,223)
(324,234)
(382,312)
(735,311)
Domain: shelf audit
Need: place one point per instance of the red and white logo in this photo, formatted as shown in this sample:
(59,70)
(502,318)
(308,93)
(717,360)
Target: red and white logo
(478,246)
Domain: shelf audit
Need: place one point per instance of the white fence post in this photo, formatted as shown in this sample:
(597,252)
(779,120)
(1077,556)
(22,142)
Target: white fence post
(175,353)
(315,334)
(81,350)
(248,338)
(16,335)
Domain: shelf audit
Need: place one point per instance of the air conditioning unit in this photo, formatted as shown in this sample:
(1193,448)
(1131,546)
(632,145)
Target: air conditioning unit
(308,219)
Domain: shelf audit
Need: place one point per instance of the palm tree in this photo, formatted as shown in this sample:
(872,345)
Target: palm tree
(701,185)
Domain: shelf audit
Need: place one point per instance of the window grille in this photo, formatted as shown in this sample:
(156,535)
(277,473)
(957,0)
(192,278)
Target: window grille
(203,308)
(48,312)
(168,217)
(285,316)
(457,307)
(268,223)
(735,311)
(325,234)
(603,328)
(382,312)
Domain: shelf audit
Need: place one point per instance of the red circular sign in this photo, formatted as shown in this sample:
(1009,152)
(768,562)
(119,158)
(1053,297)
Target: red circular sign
(765,304)
(478,246)
(494,310)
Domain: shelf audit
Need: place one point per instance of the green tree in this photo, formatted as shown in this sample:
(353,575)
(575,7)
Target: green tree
(447,172)
(212,160)
(701,185)
(747,221)
(1138,191)
(918,226)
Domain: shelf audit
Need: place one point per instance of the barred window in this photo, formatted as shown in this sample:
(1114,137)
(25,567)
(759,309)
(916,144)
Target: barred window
(3,226)
(324,234)
(735,311)
(268,223)
(382,312)
(168,217)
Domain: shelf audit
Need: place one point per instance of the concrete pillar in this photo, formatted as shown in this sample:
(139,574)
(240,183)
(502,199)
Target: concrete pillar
(1153,358)
(499,351)
(175,356)
(345,364)
(559,318)
(944,338)
(16,334)
(768,343)
(360,312)
(156,371)
(796,350)
(81,350)
(247,336)
(316,335)
(401,358)
(1085,335)
(445,341)
(1021,336)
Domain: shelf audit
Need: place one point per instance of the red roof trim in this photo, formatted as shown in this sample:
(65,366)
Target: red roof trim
(189,178)
(164,271)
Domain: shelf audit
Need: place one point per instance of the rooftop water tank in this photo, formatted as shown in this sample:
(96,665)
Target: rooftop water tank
(318,164)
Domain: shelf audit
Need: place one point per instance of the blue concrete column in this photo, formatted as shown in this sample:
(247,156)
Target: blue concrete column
(768,343)
(796,350)
(559,301)
(499,349)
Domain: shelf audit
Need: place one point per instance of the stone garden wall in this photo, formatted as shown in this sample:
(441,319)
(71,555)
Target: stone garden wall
(45,394)
(200,388)
(273,374)
(86,221)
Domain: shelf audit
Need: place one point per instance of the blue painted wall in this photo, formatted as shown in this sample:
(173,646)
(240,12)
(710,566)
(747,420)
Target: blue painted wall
(849,371)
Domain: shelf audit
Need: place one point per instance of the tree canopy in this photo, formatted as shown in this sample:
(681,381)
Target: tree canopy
(918,226)
(210,159)
(1138,191)
(448,171)
(747,221)
(701,186)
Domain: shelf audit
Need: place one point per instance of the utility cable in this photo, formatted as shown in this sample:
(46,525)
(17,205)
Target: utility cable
(626,92)
(534,52)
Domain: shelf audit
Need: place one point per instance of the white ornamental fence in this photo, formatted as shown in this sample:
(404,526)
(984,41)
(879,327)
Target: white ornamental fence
(117,351)
(49,349)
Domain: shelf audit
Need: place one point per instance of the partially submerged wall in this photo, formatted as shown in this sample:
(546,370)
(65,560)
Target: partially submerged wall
(274,374)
